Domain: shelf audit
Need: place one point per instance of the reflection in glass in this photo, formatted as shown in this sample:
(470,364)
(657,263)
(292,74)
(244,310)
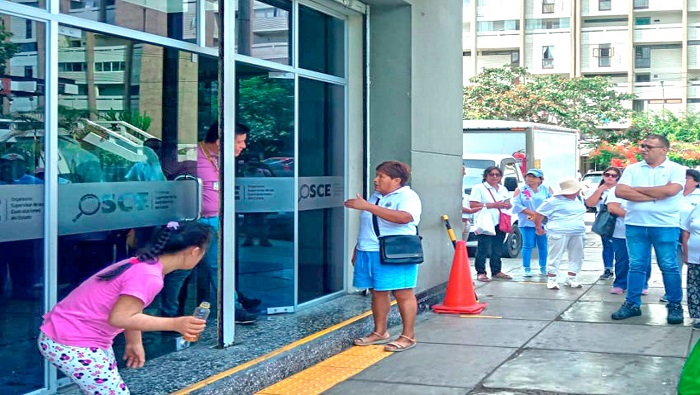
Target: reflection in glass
(168,18)
(265,188)
(321,215)
(263,29)
(321,42)
(21,199)
(130,115)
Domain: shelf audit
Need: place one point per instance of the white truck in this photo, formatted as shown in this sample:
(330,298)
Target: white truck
(516,147)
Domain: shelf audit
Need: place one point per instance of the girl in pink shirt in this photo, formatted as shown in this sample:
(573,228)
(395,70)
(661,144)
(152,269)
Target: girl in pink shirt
(77,333)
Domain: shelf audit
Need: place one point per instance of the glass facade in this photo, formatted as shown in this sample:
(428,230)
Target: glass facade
(129,110)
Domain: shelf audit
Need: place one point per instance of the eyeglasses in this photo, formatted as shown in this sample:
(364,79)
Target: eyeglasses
(495,174)
(609,175)
(647,146)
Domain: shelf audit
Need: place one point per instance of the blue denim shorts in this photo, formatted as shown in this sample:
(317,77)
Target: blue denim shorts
(370,273)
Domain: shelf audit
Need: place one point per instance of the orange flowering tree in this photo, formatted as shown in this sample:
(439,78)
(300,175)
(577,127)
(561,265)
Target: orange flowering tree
(618,155)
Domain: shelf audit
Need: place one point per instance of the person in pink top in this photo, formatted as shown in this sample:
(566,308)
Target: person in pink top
(77,334)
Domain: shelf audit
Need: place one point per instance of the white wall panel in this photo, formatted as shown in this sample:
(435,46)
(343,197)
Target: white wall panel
(534,43)
(617,7)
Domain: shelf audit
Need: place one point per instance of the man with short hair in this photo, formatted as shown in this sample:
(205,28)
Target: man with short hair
(653,191)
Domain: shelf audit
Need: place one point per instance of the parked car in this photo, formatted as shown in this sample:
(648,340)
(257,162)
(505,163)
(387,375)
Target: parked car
(280,166)
(591,180)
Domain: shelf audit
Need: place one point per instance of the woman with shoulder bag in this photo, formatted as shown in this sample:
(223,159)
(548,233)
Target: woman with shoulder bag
(397,209)
(492,196)
(525,203)
(597,199)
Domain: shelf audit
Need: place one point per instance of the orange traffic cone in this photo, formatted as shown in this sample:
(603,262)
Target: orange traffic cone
(460,296)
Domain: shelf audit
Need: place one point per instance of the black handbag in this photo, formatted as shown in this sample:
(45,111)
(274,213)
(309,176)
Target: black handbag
(604,223)
(398,249)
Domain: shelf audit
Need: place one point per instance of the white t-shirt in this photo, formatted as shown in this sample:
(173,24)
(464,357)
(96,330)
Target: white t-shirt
(692,225)
(660,213)
(689,203)
(402,199)
(564,216)
(480,194)
(619,232)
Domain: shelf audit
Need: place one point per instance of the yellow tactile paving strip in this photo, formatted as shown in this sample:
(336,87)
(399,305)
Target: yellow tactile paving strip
(328,373)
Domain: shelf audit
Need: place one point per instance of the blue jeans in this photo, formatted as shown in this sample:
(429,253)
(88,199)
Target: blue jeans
(208,267)
(530,239)
(622,264)
(608,252)
(640,239)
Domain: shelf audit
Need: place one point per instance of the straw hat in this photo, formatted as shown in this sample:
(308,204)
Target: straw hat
(568,186)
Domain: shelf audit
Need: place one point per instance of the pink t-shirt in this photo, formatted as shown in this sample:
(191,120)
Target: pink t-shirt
(209,175)
(81,319)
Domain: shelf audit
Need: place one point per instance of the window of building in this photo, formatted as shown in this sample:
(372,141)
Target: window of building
(644,77)
(515,58)
(498,26)
(548,23)
(28,29)
(548,57)
(642,57)
(72,66)
(641,4)
(642,21)
(28,71)
(604,52)
(547,6)
(638,105)
(604,5)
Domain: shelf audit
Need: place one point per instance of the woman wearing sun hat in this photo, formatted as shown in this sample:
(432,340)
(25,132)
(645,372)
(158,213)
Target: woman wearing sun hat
(525,202)
(565,230)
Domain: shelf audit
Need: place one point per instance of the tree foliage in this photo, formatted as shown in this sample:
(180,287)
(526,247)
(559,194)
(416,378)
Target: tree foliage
(8,49)
(266,106)
(511,93)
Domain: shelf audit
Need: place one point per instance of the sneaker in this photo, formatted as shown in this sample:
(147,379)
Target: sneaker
(675,313)
(607,274)
(244,317)
(617,291)
(627,310)
(571,282)
(663,298)
(552,283)
(527,272)
(543,270)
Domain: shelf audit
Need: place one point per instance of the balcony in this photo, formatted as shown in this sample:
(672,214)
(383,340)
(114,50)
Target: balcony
(654,90)
(661,33)
(498,40)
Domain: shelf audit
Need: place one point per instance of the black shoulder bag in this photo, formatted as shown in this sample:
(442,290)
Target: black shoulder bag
(604,223)
(398,249)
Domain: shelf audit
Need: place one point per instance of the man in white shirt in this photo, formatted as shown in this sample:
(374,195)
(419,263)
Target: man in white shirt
(653,191)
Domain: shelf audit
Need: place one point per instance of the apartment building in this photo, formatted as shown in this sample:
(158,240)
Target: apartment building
(647,47)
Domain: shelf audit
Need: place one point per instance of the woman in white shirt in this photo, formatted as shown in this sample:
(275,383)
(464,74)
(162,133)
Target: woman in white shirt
(492,196)
(691,256)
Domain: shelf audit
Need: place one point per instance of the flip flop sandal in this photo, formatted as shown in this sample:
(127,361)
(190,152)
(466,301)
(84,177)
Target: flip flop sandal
(395,346)
(483,278)
(364,341)
(503,276)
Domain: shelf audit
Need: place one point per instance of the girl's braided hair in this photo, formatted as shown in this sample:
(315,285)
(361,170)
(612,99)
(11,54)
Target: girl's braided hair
(171,238)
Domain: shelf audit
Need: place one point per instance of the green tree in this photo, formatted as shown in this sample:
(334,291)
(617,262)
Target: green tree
(511,93)
(266,106)
(8,49)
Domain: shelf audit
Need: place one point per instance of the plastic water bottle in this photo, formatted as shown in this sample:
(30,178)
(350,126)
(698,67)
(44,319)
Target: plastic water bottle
(202,312)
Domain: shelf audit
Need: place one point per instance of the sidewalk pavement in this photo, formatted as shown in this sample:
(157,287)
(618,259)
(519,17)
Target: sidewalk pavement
(532,340)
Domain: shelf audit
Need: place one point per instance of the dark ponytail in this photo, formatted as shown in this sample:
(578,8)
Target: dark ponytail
(171,238)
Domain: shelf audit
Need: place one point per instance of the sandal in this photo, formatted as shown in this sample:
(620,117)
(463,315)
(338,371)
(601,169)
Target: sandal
(395,346)
(483,278)
(503,276)
(365,341)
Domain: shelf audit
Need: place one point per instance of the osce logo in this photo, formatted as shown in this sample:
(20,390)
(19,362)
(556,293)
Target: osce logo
(90,204)
(312,191)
